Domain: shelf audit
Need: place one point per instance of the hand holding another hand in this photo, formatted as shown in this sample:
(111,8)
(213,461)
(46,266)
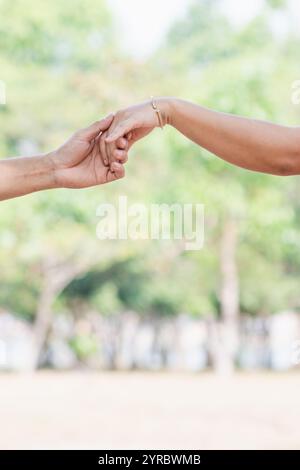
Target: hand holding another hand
(82,161)
(96,155)
(134,123)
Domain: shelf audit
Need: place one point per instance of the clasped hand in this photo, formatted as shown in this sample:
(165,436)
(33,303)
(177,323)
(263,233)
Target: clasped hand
(97,154)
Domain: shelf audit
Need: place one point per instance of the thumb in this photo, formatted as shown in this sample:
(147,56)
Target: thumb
(94,129)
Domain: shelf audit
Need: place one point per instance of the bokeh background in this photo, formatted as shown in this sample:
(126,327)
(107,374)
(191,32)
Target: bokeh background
(132,344)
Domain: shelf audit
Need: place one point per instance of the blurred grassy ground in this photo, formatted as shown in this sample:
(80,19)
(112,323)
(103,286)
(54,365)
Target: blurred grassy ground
(149,410)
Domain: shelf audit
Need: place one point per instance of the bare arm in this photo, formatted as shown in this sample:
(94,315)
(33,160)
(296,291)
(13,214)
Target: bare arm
(248,143)
(19,176)
(80,163)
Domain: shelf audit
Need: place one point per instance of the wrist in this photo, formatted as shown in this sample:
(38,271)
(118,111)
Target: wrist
(167,109)
(51,167)
(25,175)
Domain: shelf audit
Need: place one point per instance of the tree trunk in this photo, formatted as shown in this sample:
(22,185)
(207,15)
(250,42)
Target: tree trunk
(56,276)
(43,317)
(225,332)
(229,295)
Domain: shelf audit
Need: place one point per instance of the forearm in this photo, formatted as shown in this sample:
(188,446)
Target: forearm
(252,144)
(20,176)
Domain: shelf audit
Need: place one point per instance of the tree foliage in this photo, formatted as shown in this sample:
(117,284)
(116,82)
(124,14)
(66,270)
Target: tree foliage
(63,68)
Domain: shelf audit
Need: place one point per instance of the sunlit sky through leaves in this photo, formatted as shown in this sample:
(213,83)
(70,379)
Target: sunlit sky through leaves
(143,23)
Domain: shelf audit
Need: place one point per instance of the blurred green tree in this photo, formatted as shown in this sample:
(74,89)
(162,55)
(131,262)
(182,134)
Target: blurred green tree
(63,68)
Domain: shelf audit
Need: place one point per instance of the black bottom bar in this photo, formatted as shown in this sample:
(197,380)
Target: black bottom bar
(135,459)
